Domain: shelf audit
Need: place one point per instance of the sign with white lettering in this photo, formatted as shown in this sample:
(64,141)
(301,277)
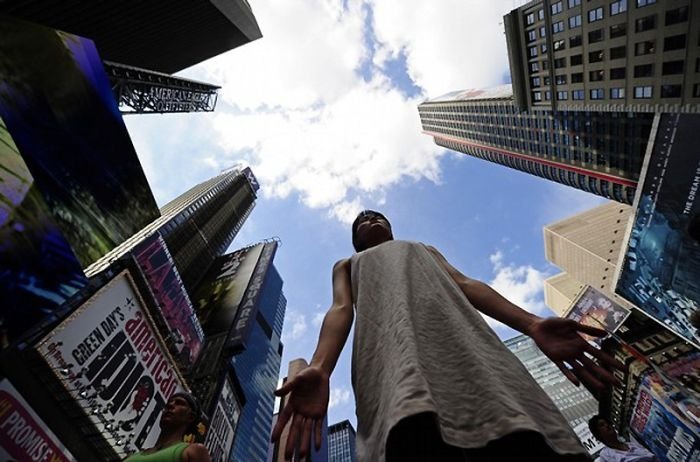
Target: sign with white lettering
(23,435)
(112,361)
(223,423)
(251,179)
(592,445)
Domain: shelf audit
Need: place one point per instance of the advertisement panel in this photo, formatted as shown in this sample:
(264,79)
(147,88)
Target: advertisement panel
(592,445)
(111,360)
(157,264)
(593,308)
(659,269)
(23,435)
(38,269)
(58,105)
(219,296)
(251,179)
(248,308)
(224,420)
(666,416)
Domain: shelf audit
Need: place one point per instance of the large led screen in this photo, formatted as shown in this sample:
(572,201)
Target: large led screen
(57,104)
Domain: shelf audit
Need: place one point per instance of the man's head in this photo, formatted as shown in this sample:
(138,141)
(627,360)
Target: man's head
(370,228)
(601,428)
(181,410)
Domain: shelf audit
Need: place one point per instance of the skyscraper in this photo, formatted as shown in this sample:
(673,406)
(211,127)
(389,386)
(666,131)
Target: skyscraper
(575,403)
(621,55)
(598,152)
(341,442)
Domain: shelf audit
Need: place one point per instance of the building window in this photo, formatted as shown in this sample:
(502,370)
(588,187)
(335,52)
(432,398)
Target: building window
(560,79)
(531,35)
(645,23)
(556,8)
(677,15)
(558,27)
(644,70)
(641,3)
(545,65)
(674,42)
(577,77)
(537,96)
(596,36)
(596,14)
(670,91)
(672,67)
(644,92)
(562,95)
(575,41)
(559,63)
(536,82)
(596,76)
(530,19)
(543,48)
(577,95)
(543,32)
(533,51)
(540,14)
(617,73)
(548,95)
(618,30)
(645,48)
(696,90)
(620,6)
(575,60)
(618,52)
(546,80)
(596,56)
(575,21)
(617,93)
(574,3)
(559,45)
(534,67)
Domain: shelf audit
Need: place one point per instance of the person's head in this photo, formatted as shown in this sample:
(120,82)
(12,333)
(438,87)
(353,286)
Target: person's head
(370,228)
(602,429)
(182,412)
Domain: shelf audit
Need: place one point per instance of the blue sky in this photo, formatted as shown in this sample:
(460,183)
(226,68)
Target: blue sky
(323,108)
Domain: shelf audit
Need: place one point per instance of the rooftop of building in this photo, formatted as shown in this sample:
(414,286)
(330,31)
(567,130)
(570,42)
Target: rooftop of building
(500,92)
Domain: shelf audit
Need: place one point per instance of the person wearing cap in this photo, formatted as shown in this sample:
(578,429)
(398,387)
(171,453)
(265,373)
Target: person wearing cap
(616,450)
(180,417)
(432,381)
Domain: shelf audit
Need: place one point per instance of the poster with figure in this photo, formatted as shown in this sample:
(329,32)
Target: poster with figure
(112,361)
(659,267)
(595,309)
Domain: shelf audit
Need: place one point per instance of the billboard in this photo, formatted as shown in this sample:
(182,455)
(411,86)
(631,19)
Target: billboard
(251,179)
(112,361)
(219,295)
(666,415)
(223,423)
(23,435)
(595,309)
(157,264)
(38,269)
(58,105)
(659,269)
(592,445)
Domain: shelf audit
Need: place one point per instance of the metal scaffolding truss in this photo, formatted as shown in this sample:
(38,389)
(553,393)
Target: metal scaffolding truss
(140,91)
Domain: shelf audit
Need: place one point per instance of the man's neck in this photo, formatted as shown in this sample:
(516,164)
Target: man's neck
(167,439)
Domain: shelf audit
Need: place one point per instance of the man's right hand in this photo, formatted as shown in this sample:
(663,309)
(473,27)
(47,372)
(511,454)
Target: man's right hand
(306,406)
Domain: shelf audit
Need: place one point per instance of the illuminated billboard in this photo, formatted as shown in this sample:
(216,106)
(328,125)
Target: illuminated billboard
(111,360)
(38,269)
(23,435)
(219,296)
(595,309)
(659,270)
(58,105)
(223,423)
(155,261)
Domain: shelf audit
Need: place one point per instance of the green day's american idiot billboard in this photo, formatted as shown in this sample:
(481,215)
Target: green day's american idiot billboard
(58,105)
(23,435)
(659,270)
(223,423)
(111,360)
(595,309)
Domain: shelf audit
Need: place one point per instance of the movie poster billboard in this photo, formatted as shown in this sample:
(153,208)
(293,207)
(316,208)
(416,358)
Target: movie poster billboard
(219,296)
(659,270)
(23,435)
(223,423)
(112,361)
(38,269)
(154,259)
(666,415)
(595,309)
(58,105)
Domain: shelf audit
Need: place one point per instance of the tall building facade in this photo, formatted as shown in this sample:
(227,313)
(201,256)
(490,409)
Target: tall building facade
(575,403)
(612,55)
(341,442)
(587,248)
(598,152)
(257,369)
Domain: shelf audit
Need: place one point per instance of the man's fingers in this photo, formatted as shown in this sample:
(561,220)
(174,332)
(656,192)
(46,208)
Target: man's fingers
(603,356)
(590,330)
(567,372)
(319,433)
(293,439)
(286,388)
(598,371)
(305,438)
(588,380)
(282,420)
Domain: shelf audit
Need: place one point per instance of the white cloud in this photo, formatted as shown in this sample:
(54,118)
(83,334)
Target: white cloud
(318,318)
(295,325)
(338,396)
(521,285)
